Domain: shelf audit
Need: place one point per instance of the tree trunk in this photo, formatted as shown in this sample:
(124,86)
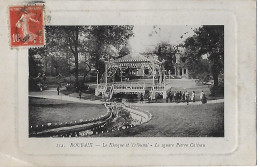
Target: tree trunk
(215,70)
(84,79)
(76,69)
(86,72)
(215,77)
(76,55)
(56,71)
(46,65)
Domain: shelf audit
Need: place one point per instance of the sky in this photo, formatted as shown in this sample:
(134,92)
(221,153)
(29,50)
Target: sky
(147,37)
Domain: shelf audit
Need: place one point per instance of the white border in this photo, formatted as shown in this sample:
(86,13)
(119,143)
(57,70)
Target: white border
(214,145)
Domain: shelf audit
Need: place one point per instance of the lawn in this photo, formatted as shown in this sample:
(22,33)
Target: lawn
(179,121)
(43,111)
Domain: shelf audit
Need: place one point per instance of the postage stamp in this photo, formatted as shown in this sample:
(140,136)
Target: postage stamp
(26,25)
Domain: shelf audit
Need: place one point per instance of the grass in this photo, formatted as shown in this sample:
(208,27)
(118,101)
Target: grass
(85,96)
(179,121)
(43,111)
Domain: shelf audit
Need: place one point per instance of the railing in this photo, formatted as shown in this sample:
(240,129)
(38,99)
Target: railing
(158,88)
(130,86)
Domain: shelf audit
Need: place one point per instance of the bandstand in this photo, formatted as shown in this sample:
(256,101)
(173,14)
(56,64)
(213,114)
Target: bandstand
(134,64)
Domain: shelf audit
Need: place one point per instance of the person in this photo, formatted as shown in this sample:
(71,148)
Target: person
(203,97)
(141,98)
(58,89)
(171,96)
(168,96)
(179,96)
(156,97)
(80,94)
(23,25)
(187,97)
(193,96)
(149,98)
(175,95)
(183,97)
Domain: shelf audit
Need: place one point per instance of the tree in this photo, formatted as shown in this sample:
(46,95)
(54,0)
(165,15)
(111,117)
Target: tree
(198,67)
(166,54)
(65,42)
(207,40)
(35,64)
(73,40)
(103,36)
(84,68)
(125,50)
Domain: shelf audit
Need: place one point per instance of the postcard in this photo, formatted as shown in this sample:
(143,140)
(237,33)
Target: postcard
(134,83)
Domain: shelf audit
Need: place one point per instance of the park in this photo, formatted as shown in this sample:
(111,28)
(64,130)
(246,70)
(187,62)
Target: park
(127,81)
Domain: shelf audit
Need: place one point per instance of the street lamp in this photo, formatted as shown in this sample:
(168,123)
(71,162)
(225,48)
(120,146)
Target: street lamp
(164,72)
(105,69)
(153,72)
(97,77)
(106,72)
(121,72)
(169,73)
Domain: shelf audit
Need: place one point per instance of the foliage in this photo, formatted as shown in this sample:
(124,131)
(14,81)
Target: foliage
(208,41)
(78,49)
(35,64)
(125,50)
(166,54)
(62,48)
(102,37)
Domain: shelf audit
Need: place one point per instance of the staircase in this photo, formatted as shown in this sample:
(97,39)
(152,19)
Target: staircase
(109,91)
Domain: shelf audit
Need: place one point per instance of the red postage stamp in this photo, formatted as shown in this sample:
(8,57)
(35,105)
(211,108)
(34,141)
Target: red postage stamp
(26,25)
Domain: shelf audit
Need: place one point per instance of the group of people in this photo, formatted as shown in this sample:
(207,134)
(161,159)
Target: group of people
(179,96)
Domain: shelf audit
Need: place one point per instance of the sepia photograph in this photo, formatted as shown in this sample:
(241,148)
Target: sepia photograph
(128,81)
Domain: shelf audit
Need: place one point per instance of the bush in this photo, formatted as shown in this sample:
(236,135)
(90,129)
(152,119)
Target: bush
(158,96)
(69,87)
(90,90)
(129,97)
(217,90)
(119,95)
(34,85)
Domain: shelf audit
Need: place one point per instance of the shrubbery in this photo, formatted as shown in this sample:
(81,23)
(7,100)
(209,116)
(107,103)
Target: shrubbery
(33,85)
(217,90)
(90,90)
(125,96)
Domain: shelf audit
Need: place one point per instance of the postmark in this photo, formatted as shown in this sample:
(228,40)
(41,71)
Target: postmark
(26,25)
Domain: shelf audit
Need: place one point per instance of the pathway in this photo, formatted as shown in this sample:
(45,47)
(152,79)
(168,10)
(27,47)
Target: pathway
(52,94)
(175,104)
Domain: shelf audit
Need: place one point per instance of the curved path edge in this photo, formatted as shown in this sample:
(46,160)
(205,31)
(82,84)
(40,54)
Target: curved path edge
(176,104)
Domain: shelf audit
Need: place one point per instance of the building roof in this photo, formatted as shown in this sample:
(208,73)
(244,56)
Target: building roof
(133,57)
